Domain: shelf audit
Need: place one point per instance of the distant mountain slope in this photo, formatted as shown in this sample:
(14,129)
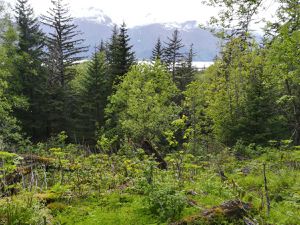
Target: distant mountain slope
(143,38)
(99,27)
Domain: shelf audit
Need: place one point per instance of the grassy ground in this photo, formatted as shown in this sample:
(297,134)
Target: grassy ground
(244,180)
(115,208)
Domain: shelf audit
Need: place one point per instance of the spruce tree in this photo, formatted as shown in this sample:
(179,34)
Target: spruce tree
(30,35)
(125,53)
(121,57)
(94,97)
(29,69)
(64,50)
(64,46)
(157,52)
(186,72)
(172,53)
(112,57)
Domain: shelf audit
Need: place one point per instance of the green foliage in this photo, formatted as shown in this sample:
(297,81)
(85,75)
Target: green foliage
(120,55)
(143,106)
(8,165)
(282,61)
(166,202)
(92,99)
(115,208)
(64,50)
(23,210)
(199,134)
(235,100)
(29,76)
(157,52)
(240,149)
(10,100)
(226,133)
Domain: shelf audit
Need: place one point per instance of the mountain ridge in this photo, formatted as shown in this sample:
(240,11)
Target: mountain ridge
(144,37)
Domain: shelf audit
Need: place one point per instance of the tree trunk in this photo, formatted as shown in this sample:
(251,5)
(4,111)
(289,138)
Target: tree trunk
(150,150)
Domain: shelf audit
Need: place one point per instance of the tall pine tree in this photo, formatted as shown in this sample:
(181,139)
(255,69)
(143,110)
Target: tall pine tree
(64,50)
(121,57)
(186,72)
(172,53)
(112,57)
(93,97)
(157,52)
(30,73)
(64,46)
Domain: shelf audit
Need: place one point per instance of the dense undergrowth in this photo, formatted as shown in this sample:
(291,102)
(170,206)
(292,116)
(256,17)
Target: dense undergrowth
(65,185)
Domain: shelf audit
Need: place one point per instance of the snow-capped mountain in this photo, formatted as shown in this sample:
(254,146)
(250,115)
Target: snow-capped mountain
(96,15)
(98,26)
(186,26)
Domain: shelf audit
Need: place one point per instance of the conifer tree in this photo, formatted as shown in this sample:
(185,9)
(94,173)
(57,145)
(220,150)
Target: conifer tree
(30,35)
(112,57)
(29,70)
(172,53)
(64,46)
(94,98)
(121,57)
(186,72)
(64,50)
(157,52)
(125,53)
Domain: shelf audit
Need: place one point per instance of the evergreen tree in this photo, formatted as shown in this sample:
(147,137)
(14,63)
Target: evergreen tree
(29,70)
(64,50)
(120,56)
(93,99)
(112,57)
(186,72)
(125,54)
(31,37)
(157,52)
(172,53)
(259,122)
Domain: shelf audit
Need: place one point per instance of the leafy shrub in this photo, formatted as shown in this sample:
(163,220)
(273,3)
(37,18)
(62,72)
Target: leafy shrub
(248,151)
(166,202)
(23,209)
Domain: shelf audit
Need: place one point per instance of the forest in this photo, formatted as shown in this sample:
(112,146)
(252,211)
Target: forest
(112,140)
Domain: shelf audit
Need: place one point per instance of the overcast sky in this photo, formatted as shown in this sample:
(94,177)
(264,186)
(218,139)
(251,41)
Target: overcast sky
(136,12)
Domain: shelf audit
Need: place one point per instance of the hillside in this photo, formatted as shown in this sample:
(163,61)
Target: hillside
(143,38)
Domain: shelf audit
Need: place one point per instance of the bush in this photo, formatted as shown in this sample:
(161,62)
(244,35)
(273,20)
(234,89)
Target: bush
(166,202)
(248,151)
(23,209)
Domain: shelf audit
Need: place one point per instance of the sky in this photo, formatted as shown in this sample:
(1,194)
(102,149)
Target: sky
(136,12)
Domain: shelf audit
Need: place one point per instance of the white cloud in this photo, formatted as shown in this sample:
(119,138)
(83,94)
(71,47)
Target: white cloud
(136,12)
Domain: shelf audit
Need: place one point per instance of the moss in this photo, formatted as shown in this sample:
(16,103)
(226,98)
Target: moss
(57,206)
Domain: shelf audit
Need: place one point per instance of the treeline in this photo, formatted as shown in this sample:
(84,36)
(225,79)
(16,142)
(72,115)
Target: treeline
(47,90)
(111,103)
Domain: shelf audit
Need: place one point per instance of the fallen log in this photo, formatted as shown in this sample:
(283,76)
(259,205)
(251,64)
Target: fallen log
(233,210)
(230,209)
(28,162)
